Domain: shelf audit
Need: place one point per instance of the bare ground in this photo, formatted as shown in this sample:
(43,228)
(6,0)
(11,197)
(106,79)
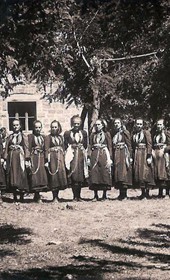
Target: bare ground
(85,240)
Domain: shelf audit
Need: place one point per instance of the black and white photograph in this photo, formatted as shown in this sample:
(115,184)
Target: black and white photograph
(84,139)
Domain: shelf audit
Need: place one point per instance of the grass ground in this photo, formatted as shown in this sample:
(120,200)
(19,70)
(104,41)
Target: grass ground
(85,240)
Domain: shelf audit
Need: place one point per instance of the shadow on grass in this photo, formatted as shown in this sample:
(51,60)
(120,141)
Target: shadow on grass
(10,234)
(155,238)
(4,253)
(92,269)
(163,226)
(72,272)
(116,249)
(123,255)
(158,237)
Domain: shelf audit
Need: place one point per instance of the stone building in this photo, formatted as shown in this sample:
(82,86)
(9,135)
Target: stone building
(27,103)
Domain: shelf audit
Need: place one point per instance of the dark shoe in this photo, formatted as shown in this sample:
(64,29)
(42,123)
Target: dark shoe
(2,192)
(147,196)
(147,193)
(55,200)
(74,194)
(37,198)
(160,194)
(15,197)
(144,194)
(122,195)
(168,192)
(96,198)
(55,195)
(141,197)
(22,197)
(77,196)
(96,195)
(104,197)
(77,199)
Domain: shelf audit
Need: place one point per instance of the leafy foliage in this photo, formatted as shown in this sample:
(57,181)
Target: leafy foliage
(76,45)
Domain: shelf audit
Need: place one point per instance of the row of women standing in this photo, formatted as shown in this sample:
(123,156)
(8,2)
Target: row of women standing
(37,163)
(130,160)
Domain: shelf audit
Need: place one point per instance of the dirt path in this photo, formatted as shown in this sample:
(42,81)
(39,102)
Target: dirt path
(85,240)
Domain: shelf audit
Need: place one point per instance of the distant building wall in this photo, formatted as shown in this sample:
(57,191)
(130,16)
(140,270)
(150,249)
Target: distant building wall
(27,97)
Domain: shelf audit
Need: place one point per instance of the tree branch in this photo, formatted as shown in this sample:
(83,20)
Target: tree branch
(129,57)
(89,24)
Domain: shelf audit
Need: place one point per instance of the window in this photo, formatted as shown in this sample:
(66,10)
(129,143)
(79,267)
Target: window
(25,111)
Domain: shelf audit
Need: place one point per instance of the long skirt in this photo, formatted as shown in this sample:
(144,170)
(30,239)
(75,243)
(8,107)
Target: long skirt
(57,178)
(100,175)
(38,175)
(143,173)
(161,168)
(16,173)
(122,172)
(2,178)
(76,173)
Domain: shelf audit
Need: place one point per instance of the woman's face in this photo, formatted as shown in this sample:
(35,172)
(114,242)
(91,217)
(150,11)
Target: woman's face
(117,124)
(54,128)
(76,124)
(160,125)
(37,128)
(139,125)
(16,126)
(98,126)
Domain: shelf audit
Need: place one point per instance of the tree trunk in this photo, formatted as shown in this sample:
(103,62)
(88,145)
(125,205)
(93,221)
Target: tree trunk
(96,103)
(83,115)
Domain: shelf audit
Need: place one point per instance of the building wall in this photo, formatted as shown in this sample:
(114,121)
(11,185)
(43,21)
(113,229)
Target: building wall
(45,112)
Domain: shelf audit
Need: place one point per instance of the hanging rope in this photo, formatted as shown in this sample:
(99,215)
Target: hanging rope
(58,160)
(38,166)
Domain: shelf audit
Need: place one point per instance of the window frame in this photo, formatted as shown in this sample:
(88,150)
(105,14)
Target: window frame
(26,115)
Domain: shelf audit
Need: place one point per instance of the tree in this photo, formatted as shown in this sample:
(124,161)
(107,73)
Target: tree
(77,43)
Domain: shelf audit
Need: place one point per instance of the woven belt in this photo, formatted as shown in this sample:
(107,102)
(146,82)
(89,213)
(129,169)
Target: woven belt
(141,146)
(77,146)
(37,151)
(120,146)
(159,146)
(55,149)
(98,147)
(14,148)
